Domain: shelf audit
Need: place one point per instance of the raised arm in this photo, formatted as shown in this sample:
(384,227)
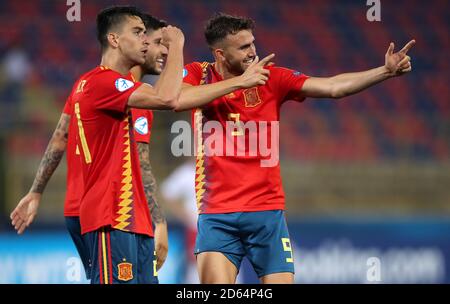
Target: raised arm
(342,85)
(23,215)
(197,96)
(164,95)
(158,217)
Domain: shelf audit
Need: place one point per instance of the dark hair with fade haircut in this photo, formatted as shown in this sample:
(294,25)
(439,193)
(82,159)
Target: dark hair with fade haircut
(111,17)
(152,23)
(221,25)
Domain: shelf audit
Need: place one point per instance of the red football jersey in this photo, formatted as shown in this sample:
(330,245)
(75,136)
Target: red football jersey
(113,193)
(238,182)
(142,122)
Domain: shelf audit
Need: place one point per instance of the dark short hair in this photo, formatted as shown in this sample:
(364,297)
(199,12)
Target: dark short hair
(221,25)
(111,17)
(153,24)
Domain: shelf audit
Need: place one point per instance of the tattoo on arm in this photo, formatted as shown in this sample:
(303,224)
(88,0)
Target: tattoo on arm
(149,184)
(53,155)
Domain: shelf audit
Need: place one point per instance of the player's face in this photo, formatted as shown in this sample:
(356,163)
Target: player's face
(239,51)
(133,40)
(156,54)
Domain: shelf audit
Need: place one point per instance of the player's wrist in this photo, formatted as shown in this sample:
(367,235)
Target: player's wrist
(239,82)
(386,72)
(178,44)
(161,224)
(35,191)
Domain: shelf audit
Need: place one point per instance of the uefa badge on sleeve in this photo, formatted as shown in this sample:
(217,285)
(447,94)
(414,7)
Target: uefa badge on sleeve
(141,125)
(123,84)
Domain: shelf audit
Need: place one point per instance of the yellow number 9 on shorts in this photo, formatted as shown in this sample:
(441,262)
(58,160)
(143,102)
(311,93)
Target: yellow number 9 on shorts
(287,247)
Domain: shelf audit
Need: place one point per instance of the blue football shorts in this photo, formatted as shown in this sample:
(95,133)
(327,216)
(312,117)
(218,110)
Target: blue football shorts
(121,257)
(260,236)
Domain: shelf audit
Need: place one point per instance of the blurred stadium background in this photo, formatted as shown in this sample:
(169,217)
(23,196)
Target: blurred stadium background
(367,176)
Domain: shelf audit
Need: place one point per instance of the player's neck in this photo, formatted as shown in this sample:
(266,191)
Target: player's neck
(115,62)
(137,72)
(223,71)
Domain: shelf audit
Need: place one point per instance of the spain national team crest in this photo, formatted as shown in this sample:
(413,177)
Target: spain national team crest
(251,97)
(125,271)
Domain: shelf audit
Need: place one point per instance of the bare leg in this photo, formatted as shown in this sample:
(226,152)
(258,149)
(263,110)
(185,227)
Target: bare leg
(215,268)
(278,278)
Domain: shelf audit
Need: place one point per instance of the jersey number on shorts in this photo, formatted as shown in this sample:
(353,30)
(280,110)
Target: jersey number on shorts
(287,247)
(155,272)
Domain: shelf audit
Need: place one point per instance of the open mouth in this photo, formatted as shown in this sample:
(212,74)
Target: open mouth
(249,60)
(160,61)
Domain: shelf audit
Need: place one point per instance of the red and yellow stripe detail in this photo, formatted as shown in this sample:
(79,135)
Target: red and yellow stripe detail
(199,164)
(126,193)
(104,257)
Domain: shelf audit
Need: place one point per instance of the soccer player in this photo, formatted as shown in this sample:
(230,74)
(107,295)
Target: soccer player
(114,218)
(241,203)
(154,64)
(24,213)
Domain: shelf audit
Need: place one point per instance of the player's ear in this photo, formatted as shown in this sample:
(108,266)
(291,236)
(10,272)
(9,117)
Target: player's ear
(218,53)
(113,40)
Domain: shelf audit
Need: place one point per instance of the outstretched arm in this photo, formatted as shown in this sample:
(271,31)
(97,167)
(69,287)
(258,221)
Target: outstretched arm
(158,217)
(342,85)
(23,215)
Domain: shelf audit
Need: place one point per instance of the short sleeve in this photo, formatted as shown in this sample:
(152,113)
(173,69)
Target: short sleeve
(290,83)
(192,73)
(142,124)
(110,91)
